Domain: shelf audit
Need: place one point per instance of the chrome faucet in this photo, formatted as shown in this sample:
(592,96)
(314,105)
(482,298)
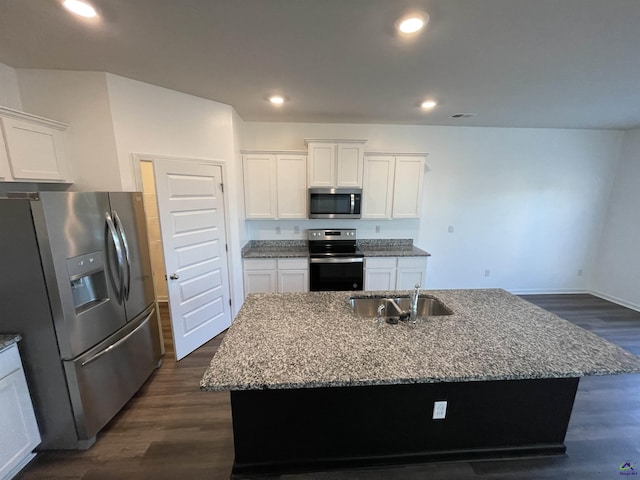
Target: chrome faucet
(401,314)
(414,302)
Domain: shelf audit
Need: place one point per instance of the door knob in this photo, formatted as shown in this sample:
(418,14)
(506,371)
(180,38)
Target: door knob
(174,276)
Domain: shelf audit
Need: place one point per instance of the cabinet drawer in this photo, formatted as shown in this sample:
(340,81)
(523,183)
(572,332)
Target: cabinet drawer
(412,262)
(380,262)
(293,263)
(9,360)
(260,264)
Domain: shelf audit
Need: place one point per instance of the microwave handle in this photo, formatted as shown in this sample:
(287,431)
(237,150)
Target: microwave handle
(353,203)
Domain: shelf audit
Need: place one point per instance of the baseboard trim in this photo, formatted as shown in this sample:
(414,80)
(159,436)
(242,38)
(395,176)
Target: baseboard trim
(556,291)
(619,301)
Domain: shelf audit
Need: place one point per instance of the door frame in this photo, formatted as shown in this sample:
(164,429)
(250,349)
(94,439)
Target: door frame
(232,251)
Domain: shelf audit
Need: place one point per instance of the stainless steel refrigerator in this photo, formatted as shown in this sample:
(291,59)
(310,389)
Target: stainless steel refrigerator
(76,284)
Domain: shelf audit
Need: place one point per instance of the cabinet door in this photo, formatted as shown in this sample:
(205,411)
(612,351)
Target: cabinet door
(380,273)
(5,171)
(411,272)
(259,281)
(19,433)
(293,274)
(293,280)
(380,279)
(407,192)
(259,275)
(349,165)
(322,159)
(35,152)
(292,186)
(378,186)
(260,194)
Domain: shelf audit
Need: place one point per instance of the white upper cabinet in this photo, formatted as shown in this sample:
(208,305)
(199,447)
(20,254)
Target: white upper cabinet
(275,184)
(335,163)
(407,186)
(379,173)
(33,148)
(292,185)
(393,185)
(260,195)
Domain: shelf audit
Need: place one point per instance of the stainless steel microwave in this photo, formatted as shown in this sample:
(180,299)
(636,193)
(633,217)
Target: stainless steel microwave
(335,202)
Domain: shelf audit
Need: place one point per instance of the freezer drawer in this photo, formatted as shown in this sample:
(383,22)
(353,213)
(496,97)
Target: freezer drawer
(103,380)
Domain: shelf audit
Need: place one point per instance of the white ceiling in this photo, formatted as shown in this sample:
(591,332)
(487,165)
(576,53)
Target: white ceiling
(514,63)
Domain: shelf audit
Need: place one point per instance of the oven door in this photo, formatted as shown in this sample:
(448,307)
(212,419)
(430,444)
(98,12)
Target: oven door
(336,273)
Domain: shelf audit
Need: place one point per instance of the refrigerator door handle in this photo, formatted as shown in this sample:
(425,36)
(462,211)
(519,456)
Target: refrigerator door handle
(119,342)
(118,246)
(120,228)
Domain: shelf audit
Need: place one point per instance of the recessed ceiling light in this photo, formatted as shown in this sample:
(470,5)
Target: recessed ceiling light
(276,99)
(428,104)
(413,23)
(80,8)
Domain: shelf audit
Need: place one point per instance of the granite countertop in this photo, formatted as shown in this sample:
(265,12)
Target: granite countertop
(275,249)
(303,340)
(390,248)
(8,340)
(299,248)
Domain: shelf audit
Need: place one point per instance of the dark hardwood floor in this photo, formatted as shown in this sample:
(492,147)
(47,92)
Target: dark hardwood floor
(171,430)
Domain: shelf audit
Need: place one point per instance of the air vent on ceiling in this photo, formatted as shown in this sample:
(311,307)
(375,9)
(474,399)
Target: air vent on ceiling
(463,115)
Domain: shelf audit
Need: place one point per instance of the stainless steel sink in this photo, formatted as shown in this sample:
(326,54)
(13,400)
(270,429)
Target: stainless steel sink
(427,306)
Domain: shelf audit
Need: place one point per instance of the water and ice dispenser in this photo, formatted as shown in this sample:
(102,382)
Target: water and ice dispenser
(88,281)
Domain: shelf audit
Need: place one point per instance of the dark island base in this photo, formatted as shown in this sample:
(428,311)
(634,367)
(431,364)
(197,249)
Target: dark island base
(314,429)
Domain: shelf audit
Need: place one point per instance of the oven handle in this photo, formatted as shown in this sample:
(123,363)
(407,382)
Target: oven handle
(337,260)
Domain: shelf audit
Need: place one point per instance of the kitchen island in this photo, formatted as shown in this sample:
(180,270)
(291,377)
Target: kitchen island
(313,386)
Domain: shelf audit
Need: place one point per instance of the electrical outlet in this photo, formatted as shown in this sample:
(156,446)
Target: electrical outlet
(450,230)
(377,228)
(439,410)
(487,273)
(278,230)
(580,272)
(296,229)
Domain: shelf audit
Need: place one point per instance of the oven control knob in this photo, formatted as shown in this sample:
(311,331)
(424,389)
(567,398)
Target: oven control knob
(355,286)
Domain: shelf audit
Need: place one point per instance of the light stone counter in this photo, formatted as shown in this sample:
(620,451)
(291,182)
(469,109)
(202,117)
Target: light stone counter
(299,248)
(304,340)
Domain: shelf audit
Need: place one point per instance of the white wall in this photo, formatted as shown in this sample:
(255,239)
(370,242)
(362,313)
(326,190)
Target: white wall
(81,100)
(9,91)
(525,204)
(152,120)
(618,272)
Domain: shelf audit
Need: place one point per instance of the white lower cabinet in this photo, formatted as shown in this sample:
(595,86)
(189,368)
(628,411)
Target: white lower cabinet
(293,275)
(380,273)
(394,273)
(276,275)
(19,433)
(411,271)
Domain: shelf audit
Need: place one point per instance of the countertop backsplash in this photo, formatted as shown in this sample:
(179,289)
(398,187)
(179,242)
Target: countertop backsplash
(297,229)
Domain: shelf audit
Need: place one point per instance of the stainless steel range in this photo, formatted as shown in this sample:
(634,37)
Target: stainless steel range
(335,262)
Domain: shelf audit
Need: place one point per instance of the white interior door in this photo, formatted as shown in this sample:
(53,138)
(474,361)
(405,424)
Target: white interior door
(191,212)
